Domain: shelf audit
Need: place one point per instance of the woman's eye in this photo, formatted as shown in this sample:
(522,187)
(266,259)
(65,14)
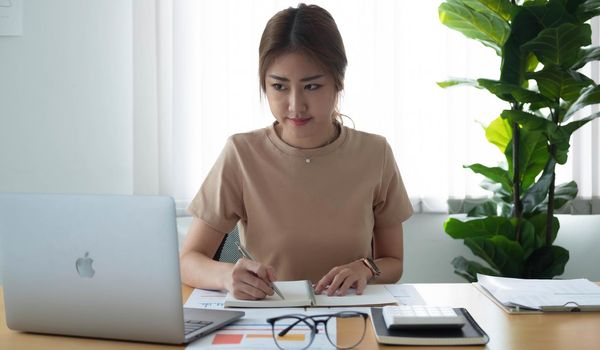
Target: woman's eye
(278,87)
(312,87)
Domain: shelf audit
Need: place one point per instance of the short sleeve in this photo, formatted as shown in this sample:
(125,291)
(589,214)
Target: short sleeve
(219,201)
(391,205)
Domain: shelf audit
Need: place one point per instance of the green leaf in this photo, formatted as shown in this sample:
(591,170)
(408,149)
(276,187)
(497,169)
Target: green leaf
(546,262)
(571,5)
(561,152)
(525,26)
(499,252)
(589,96)
(550,14)
(469,269)
(487,28)
(538,192)
(511,92)
(539,221)
(499,133)
(586,55)
(560,136)
(560,46)
(534,156)
(529,121)
(491,186)
(514,62)
(555,83)
(458,81)
(487,208)
(529,240)
(563,194)
(486,227)
(529,20)
(502,8)
(496,174)
(587,10)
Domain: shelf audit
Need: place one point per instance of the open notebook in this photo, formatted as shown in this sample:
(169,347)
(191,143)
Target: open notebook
(301,293)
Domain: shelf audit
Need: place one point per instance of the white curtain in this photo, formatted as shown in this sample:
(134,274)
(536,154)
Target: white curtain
(206,83)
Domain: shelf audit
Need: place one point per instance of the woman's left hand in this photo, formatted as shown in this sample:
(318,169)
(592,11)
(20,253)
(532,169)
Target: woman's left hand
(341,278)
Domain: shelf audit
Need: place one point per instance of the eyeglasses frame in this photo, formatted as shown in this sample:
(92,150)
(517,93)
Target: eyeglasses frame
(314,327)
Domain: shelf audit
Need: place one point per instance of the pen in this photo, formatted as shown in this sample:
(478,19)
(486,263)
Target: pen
(246,254)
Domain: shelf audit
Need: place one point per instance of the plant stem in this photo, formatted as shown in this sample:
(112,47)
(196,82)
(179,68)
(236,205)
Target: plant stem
(518,207)
(550,214)
(550,210)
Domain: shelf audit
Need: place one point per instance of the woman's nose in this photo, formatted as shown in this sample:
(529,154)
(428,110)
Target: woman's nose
(297,102)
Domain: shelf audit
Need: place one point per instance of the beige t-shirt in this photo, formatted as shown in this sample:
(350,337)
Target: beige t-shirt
(304,217)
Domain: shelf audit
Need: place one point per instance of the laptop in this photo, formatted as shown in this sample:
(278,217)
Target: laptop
(97,266)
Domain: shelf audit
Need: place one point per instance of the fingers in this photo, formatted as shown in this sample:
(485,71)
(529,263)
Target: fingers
(341,278)
(251,280)
(342,282)
(360,285)
(271,274)
(326,280)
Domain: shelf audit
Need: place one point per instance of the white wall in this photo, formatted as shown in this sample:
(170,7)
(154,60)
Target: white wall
(66,99)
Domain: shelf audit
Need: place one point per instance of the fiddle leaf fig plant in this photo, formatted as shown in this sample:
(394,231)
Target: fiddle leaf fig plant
(542,45)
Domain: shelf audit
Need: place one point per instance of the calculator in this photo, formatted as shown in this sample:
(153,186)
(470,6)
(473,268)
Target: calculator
(421,317)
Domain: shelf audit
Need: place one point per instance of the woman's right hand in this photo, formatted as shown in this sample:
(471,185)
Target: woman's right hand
(250,280)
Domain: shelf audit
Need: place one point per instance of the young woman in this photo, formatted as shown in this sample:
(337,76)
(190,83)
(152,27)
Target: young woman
(314,199)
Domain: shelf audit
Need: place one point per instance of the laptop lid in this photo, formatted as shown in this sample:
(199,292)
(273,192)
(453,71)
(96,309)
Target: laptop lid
(94,266)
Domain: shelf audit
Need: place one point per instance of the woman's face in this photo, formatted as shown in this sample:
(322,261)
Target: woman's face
(302,97)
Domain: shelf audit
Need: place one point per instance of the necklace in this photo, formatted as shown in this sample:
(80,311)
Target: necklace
(334,136)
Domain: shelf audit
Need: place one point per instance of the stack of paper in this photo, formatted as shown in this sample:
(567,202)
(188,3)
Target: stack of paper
(544,295)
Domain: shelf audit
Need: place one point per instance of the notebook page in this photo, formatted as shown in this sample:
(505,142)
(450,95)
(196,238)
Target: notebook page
(374,294)
(295,293)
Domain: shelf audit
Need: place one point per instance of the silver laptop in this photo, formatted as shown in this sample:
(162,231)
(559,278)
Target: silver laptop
(97,266)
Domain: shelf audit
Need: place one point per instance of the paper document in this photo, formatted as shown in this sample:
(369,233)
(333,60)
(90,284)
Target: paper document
(405,294)
(545,295)
(253,332)
(205,299)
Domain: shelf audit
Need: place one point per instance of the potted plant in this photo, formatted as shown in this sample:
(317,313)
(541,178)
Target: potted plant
(542,44)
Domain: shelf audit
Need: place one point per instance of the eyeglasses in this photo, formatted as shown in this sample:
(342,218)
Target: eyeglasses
(297,332)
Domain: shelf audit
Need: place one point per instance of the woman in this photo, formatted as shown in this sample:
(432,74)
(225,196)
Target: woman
(314,199)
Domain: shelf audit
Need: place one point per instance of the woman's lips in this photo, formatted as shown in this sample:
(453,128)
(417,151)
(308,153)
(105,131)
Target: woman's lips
(299,121)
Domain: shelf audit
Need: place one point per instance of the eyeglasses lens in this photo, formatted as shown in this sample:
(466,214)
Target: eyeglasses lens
(298,337)
(350,330)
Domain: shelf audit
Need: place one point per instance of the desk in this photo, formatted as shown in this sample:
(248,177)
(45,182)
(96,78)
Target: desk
(507,332)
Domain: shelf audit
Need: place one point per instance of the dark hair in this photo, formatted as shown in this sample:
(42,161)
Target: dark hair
(307,29)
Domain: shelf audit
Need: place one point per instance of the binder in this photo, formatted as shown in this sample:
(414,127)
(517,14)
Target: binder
(526,296)
(470,334)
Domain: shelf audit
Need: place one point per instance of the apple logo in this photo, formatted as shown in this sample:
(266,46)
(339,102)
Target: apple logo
(84,266)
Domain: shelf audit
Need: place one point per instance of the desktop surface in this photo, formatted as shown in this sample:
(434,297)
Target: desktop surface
(534,331)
